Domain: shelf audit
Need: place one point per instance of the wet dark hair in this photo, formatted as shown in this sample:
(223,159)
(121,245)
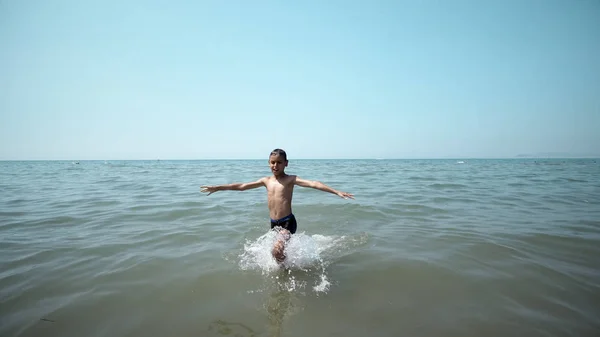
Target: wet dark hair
(279,152)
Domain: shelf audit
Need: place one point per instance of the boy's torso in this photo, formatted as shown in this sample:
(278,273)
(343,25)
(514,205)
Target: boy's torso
(279,195)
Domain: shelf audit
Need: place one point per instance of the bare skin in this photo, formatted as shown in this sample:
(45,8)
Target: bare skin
(280,189)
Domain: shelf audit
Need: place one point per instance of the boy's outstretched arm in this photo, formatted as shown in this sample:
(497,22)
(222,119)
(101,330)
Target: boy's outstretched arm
(322,187)
(233,187)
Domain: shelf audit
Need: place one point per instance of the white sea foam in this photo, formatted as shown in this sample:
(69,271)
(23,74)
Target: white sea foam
(307,259)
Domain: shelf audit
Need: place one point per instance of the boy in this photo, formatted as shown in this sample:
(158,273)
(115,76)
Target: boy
(280,188)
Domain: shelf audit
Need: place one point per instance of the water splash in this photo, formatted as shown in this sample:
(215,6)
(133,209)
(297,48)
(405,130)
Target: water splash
(308,257)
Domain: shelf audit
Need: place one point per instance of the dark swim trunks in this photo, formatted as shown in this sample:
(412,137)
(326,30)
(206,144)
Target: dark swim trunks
(288,222)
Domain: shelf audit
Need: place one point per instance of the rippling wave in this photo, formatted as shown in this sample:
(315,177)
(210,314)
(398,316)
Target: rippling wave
(429,247)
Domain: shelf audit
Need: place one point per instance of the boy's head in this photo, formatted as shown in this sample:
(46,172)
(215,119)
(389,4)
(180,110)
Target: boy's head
(278,162)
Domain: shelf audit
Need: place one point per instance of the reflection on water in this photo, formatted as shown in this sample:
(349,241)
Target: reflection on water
(283,301)
(278,307)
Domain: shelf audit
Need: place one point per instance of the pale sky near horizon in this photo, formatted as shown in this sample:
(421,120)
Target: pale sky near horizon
(322,79)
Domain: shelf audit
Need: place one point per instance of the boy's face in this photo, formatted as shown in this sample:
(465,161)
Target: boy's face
(277,164)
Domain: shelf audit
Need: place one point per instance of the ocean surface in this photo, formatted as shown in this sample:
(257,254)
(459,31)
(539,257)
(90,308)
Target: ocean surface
(427,248)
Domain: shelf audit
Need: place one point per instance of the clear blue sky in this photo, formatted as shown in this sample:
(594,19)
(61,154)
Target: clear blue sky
(142,79)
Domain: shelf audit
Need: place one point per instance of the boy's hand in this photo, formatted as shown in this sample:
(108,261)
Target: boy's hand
(345,195)
(209,189)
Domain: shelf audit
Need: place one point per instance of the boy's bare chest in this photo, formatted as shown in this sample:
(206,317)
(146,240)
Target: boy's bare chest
(278,188)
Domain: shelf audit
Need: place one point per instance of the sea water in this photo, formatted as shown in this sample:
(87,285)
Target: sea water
(456,247)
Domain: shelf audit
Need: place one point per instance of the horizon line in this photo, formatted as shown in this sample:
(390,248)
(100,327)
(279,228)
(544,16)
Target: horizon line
(252,159)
